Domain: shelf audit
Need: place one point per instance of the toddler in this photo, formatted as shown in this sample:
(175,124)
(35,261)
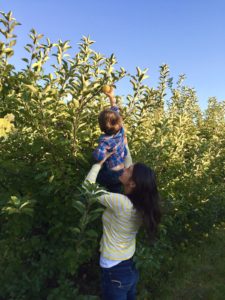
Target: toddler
(113,139)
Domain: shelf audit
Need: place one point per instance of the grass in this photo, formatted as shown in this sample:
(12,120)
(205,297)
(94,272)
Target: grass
(199,272)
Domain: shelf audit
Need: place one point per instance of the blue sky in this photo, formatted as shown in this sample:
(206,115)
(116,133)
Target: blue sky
(188,35)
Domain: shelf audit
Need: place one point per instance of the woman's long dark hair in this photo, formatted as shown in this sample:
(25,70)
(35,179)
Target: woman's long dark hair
(145,197)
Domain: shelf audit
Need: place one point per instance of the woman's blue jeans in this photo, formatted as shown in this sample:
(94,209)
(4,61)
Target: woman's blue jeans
(119,282)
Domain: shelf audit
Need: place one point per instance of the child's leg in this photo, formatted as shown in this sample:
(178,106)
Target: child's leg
(101,178)
(110,179)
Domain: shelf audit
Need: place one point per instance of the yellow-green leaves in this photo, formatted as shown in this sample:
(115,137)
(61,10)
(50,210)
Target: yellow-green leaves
(32,88)
(62,49)
(17,205)
(9,24)
(6,125)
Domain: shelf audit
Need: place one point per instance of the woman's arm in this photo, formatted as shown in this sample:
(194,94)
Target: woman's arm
(114,201)
(128,159)
(93,173)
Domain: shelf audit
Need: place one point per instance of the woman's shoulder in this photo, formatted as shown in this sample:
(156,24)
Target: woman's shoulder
(128,205)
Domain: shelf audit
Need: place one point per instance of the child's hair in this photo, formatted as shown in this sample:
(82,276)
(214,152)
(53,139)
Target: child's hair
(110,121)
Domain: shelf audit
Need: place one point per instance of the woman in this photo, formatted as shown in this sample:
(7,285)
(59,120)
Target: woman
(121,220)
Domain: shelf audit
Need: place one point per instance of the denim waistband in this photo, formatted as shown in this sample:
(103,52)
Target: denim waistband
(123,264)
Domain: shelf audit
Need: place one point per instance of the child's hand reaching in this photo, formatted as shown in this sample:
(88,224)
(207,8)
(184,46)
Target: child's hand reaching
(107,89)
(110,93)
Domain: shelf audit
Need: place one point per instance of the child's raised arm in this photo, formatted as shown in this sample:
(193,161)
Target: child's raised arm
(111,96)
(112,99)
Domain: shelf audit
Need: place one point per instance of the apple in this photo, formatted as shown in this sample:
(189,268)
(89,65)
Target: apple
(106,88)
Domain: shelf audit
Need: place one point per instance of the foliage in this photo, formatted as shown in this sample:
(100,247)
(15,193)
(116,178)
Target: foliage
(199,271)
(49,226)
(6,125)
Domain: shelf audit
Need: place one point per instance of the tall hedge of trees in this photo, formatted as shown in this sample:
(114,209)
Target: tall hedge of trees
(50,226)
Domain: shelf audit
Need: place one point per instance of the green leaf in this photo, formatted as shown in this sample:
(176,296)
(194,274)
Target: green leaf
(15,200)
(9,16)
(51,179)
(31,88)
(39,36)
(92,233)
(24,204)
(97,210)
(79,206)
(7,50)
(75,230)
(138,71)
(12,43)
(26,60)
(36,65)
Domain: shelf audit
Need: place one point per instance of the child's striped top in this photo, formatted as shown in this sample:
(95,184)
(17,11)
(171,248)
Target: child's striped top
(120,220)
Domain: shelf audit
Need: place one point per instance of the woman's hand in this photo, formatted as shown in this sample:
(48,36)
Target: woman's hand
(108,154)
